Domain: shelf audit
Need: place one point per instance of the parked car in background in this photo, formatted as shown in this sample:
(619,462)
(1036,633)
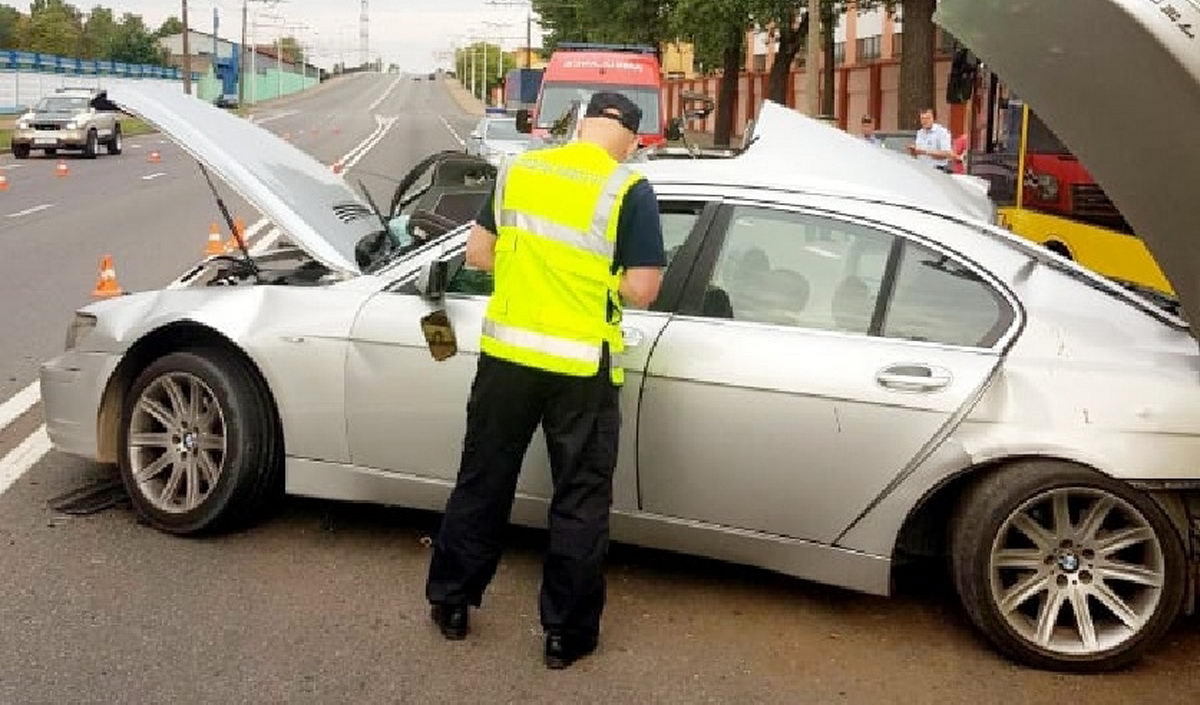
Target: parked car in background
(495,138)
(71,118)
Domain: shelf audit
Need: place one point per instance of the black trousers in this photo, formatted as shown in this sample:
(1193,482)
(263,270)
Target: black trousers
(581,418)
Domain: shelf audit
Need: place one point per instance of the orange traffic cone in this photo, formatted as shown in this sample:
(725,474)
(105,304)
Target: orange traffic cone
(214,242)
(62,169)
(239,232)
(3,182)
(107,285)
(338,168)
(155,158)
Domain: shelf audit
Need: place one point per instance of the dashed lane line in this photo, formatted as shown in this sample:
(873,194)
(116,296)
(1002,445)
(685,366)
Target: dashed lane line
(31,211)
(453,131)
(152,177)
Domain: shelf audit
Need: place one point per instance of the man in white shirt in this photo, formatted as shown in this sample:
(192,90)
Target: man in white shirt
(934,145)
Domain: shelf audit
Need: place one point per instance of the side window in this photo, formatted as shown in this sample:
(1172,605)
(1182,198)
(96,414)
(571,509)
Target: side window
(678,221)
(796,269)
(938,300)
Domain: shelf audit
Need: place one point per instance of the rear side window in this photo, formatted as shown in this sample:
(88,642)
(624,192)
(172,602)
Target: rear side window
(936,299)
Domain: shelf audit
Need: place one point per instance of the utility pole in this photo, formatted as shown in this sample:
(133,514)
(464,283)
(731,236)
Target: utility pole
(812,69)
(364,34)
(241,64)
(187,53)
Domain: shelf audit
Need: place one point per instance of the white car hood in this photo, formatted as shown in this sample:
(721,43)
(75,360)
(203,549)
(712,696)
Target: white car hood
(1119,82)
(311,205)
(810,154)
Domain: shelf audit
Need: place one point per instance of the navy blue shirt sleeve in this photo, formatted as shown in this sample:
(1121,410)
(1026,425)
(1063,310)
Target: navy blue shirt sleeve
(639,228)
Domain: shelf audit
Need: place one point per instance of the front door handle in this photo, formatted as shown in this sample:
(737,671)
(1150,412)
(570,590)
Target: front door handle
(633,337)
(914,377)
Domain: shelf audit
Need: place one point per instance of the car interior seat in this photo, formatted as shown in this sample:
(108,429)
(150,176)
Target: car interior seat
(853,306)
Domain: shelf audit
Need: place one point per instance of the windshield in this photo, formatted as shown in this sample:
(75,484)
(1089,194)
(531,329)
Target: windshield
(60,104)
(1042,139)
(503,130)
(557,99)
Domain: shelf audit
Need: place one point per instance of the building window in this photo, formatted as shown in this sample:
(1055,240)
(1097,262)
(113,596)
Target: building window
(897,45)
(869,48)
(839,53)
(760,63)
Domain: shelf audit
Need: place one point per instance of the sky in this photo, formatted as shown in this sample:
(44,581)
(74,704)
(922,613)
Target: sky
(410,33)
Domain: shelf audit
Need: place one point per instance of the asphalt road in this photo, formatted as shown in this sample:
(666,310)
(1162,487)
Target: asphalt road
(322,602)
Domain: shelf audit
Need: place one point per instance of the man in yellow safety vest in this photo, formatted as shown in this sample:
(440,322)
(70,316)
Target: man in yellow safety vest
(570,234)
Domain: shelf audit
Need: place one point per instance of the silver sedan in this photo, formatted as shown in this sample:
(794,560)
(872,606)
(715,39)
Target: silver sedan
(849,369)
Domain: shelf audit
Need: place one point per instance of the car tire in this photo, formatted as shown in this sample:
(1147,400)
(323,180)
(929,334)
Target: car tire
(50,152)
(199,443)
(91,148)
(20,151)
(1100,544)
(115,145)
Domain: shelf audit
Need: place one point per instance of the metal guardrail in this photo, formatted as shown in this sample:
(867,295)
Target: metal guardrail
(53,63)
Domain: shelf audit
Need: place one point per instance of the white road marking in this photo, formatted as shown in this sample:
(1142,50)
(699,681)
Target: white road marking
(383,97)
(135,146)
(453,131)
(18,404)
(382,127)
(279,116)
(31,211)
(6,167)
(152,177)
(25,456)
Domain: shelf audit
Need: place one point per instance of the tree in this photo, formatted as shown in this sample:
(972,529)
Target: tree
(916,62)
(55,27)
(14,27)
(99,32)
(494,74)
(290,51)
(133,43)
(609,21)
(170,27)
(791,36)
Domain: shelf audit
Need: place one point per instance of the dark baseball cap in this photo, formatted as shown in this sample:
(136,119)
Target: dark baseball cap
(615,106)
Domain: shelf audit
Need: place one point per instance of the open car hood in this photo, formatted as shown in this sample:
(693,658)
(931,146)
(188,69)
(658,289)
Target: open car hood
(814,155)
(1119,82)
(310,204)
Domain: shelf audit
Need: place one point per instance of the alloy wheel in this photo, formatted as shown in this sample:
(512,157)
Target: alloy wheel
(177,442)
(1077,571)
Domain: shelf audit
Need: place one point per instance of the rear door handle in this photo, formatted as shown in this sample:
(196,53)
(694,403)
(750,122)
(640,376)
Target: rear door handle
(914,377)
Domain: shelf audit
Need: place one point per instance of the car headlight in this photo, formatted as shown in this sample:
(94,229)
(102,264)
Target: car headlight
(72,125)
(83,324)
(22,124)
(1047,187)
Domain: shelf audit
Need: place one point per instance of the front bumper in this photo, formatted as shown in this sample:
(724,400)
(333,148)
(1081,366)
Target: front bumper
(72,389)
(51,139)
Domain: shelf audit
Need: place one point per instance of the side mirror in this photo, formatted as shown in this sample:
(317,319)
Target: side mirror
(433,280)
(524,121)
(675,130)
(475,136)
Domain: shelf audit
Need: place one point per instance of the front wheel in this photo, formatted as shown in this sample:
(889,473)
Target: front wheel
(1066,569)
(20,151)
(200,446)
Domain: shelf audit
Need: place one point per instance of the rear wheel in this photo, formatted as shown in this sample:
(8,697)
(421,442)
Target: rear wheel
(92,147)
(1066,569)
(115,143)
(1059,248)
(199,443)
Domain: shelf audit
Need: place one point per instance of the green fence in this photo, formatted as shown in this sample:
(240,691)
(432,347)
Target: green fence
(265,85)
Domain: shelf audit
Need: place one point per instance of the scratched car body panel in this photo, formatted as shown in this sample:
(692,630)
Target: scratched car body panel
(839,348)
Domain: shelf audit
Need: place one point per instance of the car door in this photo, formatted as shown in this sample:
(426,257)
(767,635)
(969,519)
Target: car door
(813,359)
(407,413)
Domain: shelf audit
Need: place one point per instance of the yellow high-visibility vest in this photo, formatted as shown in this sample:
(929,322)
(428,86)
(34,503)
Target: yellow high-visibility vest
(556,300)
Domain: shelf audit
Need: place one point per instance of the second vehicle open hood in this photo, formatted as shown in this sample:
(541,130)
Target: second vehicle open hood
(311,205)
(1119,82)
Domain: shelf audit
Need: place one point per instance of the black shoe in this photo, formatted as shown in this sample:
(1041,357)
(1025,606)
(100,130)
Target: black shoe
(562,651)
(454,621)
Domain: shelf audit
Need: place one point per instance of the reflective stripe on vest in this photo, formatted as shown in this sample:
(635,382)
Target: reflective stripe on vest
(545,344)
(592,241)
